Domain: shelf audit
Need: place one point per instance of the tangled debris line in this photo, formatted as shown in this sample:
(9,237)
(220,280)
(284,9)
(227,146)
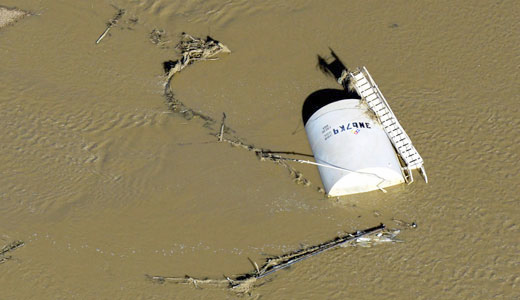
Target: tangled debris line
(196,49)
(191,49)
(268,155)
(9,248)
(244,283)
(112,22)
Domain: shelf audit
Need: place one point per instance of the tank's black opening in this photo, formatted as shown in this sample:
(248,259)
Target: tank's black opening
(320,98)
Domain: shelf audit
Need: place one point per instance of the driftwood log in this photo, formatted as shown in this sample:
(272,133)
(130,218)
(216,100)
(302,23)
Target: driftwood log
(244,283)
(112,22)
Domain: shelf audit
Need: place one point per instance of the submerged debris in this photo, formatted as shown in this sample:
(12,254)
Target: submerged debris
(246,282)
(8,248)
(157,37)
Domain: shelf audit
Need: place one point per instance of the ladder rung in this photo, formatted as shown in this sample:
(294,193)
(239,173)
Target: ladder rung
(371,97)
(359,76)
(384,119)
(366,92)
(362,82)
(364,88)
(371,103)
(385,114)
(403,145)
(380,104)
(394,131)
(390,128)
(399,145)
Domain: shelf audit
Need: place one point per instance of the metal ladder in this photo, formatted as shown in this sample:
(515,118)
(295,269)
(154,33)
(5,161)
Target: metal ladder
(368,90)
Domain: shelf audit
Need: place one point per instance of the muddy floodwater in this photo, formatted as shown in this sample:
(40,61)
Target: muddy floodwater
(104,184)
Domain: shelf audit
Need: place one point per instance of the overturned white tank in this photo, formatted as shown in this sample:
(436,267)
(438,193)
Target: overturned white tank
(351,148)
(355,136)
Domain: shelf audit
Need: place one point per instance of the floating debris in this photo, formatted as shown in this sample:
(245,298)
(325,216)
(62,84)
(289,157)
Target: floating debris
(112,22)
(244,283)
(404,223)
(9,248)
(10,15)
(133,20)
(194,49)
(383,237)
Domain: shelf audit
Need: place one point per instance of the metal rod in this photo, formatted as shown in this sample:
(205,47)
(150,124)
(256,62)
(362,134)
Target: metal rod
(322,248)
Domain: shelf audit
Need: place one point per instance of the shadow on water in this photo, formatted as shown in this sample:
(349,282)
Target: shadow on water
(321,98)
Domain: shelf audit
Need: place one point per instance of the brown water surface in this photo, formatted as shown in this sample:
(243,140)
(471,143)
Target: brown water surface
(105,185)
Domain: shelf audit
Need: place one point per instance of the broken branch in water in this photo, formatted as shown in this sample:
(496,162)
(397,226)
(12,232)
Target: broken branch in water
(8,248)
(11,246)
(221,134)
(245,282)
(110,23)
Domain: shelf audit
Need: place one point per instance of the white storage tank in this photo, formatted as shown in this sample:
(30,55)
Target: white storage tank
(352,149)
